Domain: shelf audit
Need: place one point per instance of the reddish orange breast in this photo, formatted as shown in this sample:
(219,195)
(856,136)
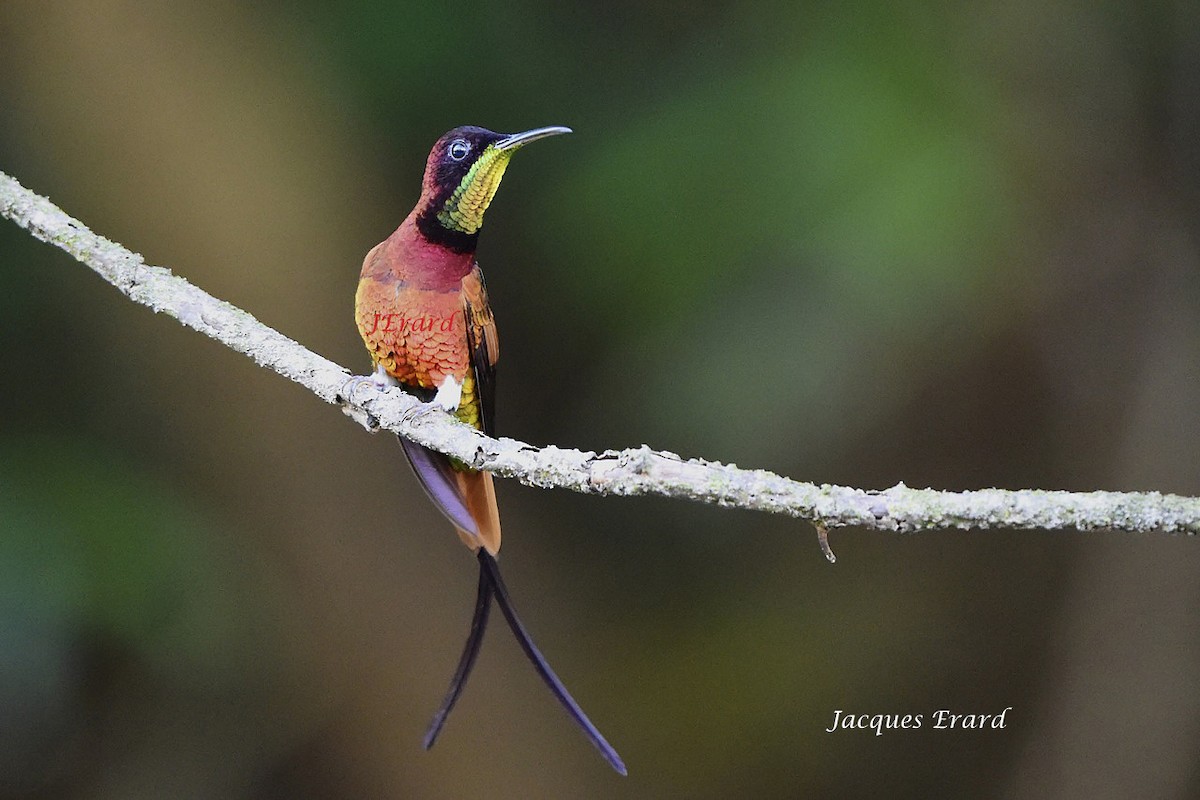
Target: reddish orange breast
(417,335)
(409,308)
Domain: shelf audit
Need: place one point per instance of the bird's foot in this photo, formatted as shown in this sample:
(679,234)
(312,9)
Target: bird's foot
(379,379)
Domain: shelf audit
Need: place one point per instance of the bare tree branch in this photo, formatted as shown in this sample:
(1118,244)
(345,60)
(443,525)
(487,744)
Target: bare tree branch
(633,471)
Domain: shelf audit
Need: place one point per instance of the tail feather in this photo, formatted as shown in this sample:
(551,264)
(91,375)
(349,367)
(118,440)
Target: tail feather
(439,480)
(465,496)
(478,491)
(488,564)
(468,499)
(483,604)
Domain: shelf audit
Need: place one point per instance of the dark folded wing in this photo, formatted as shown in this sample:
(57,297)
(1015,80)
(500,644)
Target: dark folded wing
(483,345)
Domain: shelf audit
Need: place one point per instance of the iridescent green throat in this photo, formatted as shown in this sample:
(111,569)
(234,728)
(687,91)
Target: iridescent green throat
(463,210)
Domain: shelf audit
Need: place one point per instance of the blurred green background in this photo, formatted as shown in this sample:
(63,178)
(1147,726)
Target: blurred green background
(955,245)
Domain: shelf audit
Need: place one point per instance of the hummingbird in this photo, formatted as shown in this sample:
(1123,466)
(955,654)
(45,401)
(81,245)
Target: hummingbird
(422,309)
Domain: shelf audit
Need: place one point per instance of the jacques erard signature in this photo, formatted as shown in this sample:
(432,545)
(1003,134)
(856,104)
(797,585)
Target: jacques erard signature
(943,719)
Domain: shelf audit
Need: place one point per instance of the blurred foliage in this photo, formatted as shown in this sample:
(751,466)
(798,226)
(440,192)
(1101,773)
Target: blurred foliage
(954,245)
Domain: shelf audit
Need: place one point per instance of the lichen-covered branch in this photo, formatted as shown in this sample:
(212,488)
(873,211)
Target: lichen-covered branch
(614,472)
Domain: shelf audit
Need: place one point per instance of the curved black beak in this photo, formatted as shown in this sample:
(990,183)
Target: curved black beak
(515,140)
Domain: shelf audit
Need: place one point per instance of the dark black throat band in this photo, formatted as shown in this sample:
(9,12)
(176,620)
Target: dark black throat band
(437,233)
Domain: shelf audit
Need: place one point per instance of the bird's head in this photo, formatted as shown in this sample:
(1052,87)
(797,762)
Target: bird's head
(461,178)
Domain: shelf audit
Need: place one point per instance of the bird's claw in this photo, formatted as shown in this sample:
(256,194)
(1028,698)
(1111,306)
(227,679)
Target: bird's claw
(379,379)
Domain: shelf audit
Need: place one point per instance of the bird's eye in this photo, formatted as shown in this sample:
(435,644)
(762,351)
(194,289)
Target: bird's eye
(459,149)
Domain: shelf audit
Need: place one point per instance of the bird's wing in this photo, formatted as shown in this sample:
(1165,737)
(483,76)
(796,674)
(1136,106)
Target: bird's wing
(484,346)
(478,489)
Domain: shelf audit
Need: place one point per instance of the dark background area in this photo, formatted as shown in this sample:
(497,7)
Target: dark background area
(953,245)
